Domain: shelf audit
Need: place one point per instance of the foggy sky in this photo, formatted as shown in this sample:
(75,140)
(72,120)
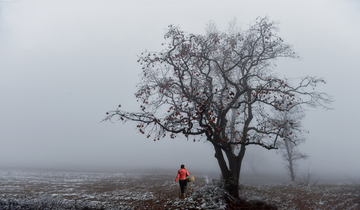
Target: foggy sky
(64,64)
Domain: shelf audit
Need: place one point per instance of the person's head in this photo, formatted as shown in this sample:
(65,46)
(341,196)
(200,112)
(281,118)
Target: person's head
(182,166)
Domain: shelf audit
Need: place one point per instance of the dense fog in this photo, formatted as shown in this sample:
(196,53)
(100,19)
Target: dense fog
(64,64)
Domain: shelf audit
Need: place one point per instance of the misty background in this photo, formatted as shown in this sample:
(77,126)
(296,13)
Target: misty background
(65,63)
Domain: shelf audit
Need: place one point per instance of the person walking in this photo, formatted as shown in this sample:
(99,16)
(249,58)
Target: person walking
(181,176)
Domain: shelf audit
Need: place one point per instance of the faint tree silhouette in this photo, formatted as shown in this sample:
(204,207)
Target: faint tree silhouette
(292,136)
(255,161)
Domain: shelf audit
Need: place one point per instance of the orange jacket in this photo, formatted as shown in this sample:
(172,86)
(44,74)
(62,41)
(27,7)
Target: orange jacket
(182,174)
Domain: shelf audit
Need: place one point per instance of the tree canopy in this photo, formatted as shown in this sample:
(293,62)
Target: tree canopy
(197,83)
(199,79)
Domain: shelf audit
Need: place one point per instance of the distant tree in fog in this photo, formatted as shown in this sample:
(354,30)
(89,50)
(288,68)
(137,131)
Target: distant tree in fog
(255,161)
(197,83)
(292,135)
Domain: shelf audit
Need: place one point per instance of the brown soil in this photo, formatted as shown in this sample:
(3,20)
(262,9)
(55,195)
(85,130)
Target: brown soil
(160,192)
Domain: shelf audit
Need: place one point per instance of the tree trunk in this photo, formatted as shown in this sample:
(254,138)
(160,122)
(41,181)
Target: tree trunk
(292,174)
(231,171)
(290,160)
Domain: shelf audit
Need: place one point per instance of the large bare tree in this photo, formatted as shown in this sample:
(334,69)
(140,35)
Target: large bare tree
(193,86)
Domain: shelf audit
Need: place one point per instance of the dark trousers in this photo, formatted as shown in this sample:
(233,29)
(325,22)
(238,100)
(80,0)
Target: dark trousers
(183,184)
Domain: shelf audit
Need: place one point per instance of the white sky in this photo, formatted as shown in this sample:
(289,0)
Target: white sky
(64,64)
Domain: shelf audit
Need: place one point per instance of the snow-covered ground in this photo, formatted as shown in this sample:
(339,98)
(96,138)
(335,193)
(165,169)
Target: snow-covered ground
(32,189)
(84,190)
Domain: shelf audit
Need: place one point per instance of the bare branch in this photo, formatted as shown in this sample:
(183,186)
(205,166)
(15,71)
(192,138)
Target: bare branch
(198,84)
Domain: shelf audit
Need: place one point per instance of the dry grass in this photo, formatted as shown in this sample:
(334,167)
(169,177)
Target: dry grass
(304,197)
(160,192)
